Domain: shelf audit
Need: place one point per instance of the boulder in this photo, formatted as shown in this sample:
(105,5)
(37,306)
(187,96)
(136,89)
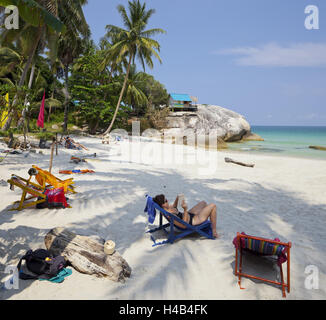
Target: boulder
(208,119)
(250,136)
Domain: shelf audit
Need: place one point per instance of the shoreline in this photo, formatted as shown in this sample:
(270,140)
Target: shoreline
(244,152)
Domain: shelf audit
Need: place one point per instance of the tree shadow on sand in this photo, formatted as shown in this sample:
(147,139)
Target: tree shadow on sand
(172,268)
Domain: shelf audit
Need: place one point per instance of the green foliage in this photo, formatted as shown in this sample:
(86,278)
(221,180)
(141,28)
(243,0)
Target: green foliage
(34,13)
(91,87)
(92,75)
(132,42)
(157,117)
(45,135)
(4,133)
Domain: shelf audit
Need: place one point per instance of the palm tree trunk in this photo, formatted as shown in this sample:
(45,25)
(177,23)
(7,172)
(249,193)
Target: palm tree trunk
(52,96)
(65,124)
(120,98)
(22,78)
(25,103)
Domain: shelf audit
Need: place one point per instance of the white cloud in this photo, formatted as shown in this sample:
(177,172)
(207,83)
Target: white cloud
(274,55)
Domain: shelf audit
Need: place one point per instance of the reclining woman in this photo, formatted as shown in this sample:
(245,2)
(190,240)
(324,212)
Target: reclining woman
(195,216)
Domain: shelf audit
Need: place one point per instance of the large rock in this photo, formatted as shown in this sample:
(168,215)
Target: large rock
(250,136)
(208,119)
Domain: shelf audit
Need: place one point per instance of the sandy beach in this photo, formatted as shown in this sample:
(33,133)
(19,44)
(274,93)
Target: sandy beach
(280,197)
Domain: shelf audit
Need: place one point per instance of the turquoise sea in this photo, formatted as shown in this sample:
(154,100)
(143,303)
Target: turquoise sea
(286,140)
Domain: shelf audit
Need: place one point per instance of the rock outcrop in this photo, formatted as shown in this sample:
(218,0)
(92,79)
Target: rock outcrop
(227,125)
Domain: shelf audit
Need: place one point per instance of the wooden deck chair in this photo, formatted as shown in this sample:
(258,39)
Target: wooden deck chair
(28,187)
(263,247)
(204,229)
(45,179)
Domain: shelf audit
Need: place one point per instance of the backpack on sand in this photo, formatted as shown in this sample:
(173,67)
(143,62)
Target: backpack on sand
(41,263)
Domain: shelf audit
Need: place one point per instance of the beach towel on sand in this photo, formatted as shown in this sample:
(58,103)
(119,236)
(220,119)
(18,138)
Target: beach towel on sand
(151,211)
(60,277)
(76,171)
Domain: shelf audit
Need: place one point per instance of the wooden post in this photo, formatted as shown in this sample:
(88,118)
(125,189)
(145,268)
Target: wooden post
(51,157)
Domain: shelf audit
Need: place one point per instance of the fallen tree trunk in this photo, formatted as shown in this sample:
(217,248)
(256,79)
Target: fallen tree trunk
(318,148)
(239,163)
(87,255)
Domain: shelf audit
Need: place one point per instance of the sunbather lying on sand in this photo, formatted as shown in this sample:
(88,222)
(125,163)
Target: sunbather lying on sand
(195,216)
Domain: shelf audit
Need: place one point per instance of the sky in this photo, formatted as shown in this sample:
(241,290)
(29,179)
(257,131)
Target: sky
(256,57)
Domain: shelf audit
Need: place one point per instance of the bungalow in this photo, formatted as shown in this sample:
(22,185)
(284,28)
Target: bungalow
(181,102)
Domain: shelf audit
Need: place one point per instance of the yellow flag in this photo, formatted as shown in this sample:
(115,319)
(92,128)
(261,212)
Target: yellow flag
(4,115)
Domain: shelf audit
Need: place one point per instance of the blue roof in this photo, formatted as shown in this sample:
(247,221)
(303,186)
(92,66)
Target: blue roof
(180,97)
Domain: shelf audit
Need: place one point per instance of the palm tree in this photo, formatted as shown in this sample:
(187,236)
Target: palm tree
(134,96)
(48,18)
(71,43)
(39,15)
(69,50)
(133,42)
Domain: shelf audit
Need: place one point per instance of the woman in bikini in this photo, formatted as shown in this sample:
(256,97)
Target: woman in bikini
(195,216)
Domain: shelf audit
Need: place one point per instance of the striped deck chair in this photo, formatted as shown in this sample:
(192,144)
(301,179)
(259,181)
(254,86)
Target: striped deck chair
(46,179)
(204,229)
(263,247)
(28,187)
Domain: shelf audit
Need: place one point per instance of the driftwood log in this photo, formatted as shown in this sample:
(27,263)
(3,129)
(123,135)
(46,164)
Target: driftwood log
(318,148)
(87,255)
(239,163)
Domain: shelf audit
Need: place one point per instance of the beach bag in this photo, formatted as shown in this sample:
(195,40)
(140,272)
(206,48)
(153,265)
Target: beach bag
(42,263)
(55,199)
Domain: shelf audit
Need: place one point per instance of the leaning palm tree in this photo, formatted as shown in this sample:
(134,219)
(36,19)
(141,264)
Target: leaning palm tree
(133,42)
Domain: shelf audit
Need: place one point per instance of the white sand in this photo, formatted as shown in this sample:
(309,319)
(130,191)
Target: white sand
(281,197)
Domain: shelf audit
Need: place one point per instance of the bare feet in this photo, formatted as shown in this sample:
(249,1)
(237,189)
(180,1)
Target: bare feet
(215,235)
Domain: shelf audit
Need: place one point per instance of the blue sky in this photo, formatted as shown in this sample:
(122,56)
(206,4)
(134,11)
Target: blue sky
(255,57)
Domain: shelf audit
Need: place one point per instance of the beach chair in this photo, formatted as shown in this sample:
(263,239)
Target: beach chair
(45,179)
(28,187)
(204,229)
(262,247)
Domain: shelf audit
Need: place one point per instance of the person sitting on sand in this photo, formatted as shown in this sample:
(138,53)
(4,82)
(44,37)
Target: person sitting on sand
(195,216)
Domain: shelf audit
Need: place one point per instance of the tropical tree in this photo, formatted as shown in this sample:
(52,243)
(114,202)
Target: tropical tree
(134,96)
(133,42)
(71,43)
(38,15)
(48,18)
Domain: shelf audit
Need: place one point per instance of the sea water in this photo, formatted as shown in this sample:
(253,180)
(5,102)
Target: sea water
(286,140)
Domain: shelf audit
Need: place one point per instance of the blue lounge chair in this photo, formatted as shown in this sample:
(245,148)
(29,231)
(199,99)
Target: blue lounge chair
(204,229)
